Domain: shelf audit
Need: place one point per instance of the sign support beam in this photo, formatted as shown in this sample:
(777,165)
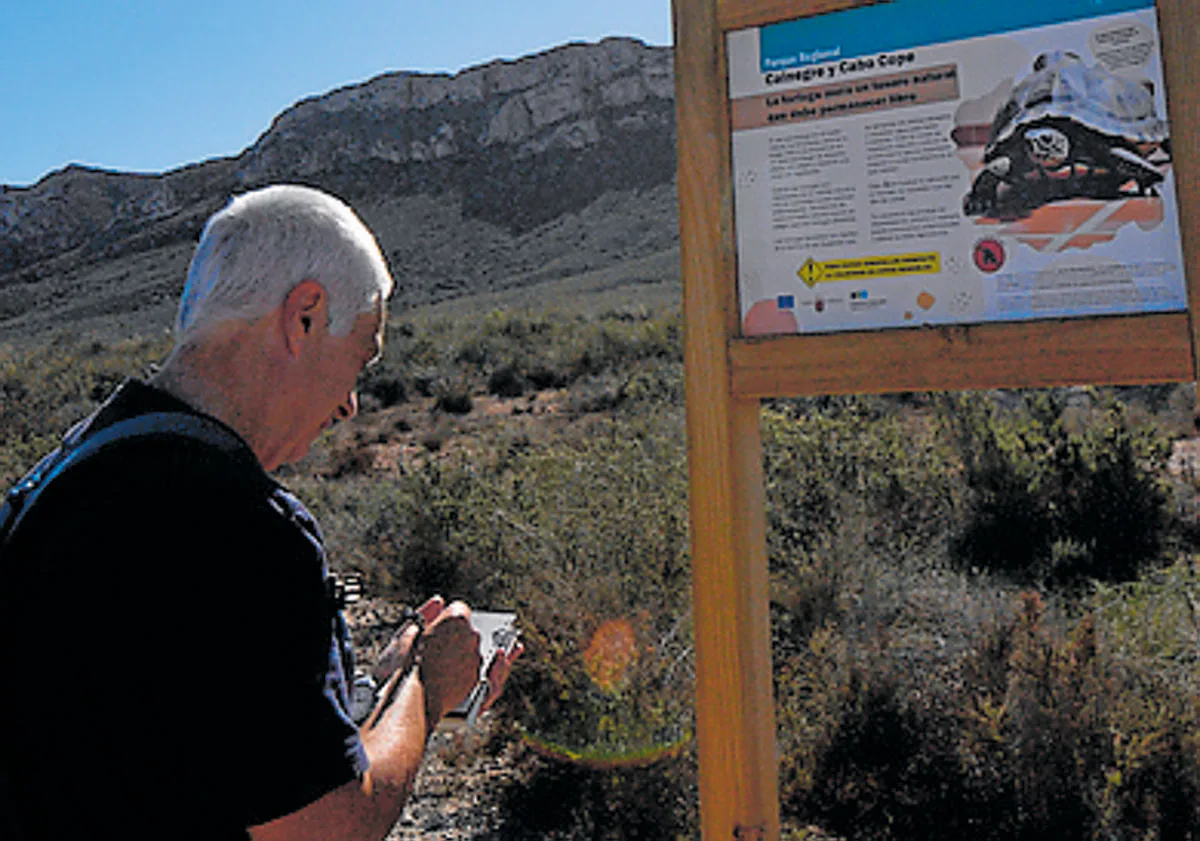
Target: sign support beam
(1179,23)
(734,700)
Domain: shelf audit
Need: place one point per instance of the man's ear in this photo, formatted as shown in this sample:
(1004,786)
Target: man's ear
(304,309)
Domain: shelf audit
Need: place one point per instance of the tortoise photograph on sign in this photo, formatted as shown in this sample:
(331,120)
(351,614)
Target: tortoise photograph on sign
(1070,130)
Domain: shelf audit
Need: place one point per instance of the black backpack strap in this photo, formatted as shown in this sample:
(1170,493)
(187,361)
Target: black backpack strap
(80,444)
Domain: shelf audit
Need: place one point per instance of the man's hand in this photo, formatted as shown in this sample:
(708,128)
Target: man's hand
(398,654)
(443,665)
(446,656)
(448,662)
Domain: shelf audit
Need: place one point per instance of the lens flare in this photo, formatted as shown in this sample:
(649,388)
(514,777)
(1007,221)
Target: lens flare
(624,703)
(604,760)
(610,654)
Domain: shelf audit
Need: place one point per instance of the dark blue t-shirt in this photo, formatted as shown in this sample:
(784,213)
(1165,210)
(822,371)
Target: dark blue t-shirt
(174,665)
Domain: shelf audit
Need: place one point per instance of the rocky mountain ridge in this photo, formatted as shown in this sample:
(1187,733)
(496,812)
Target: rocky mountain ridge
(513,145)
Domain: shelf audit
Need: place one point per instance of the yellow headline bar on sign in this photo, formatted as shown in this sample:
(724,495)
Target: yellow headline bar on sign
(864,268)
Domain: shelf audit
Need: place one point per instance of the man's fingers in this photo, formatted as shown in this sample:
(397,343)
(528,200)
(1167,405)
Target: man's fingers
(457,609)
(499,671)
(430,610)
(396,654)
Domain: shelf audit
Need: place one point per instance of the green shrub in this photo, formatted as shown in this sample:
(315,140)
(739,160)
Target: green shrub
(410,539)
(584,534)
(888,769)
(1043,732)
(844,478)
(886,461)
(506,381)
(1048,504)
(387,390)
(455,401)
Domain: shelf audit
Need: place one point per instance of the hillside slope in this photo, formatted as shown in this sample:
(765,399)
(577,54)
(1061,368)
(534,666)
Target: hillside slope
(507,174)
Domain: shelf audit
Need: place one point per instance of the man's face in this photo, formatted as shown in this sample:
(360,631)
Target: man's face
(328,373)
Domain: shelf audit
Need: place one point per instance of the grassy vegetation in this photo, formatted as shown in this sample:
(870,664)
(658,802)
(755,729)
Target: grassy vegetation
(985,605)
(46,389)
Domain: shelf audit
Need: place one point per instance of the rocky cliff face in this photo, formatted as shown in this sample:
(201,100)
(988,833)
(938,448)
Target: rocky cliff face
(518,143)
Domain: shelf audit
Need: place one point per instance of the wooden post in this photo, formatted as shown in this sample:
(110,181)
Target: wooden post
(734,700)
(1179,24)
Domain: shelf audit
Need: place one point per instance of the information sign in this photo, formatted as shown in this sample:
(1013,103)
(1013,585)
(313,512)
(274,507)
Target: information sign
(932,162)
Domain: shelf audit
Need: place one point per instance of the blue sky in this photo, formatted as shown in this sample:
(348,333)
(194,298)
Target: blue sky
(149,85)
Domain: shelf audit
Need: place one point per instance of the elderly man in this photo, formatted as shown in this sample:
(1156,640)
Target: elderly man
(173,648)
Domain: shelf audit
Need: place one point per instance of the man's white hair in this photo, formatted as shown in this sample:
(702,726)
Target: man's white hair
(256,249)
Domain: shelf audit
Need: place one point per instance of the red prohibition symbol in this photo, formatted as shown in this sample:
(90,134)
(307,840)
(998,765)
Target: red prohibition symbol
(989,255)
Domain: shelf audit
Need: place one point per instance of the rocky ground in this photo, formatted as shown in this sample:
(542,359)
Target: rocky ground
(451,800)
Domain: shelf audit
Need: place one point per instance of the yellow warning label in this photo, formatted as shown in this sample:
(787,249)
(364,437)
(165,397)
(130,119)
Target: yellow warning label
(864,268)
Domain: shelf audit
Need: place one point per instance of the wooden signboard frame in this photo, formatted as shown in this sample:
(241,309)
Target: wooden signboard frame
(728,375)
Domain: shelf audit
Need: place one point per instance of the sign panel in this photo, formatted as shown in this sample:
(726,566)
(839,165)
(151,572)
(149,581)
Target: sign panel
(938,162)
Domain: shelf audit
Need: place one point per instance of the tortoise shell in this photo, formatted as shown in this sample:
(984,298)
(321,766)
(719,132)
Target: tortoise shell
(1062,86)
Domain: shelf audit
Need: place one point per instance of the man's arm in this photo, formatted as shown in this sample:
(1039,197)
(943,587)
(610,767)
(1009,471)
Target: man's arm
(394,736)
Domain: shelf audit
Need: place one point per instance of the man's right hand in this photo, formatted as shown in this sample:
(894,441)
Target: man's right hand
(448,661)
